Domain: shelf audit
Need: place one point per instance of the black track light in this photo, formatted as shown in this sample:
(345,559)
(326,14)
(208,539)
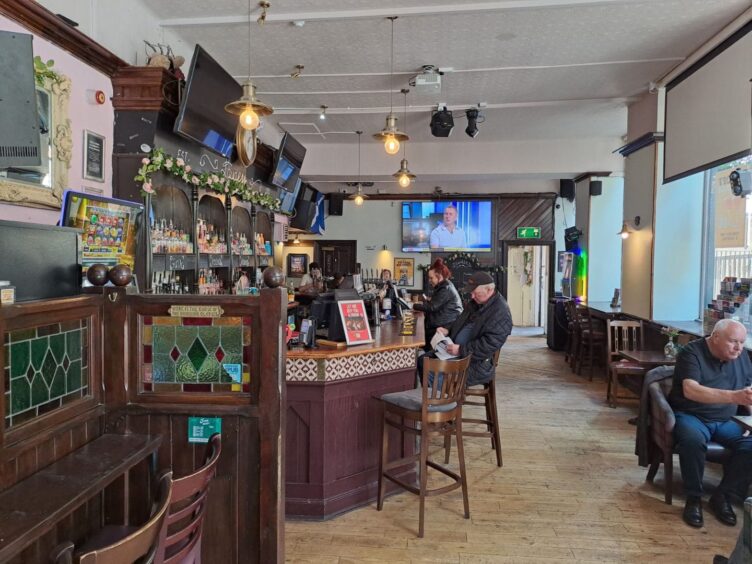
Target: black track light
(472,122)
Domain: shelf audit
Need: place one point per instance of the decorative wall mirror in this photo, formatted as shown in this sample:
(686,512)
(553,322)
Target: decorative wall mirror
(43,186)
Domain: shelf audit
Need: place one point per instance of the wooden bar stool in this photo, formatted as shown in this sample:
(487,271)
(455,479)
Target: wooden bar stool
(437,407)
(487,393)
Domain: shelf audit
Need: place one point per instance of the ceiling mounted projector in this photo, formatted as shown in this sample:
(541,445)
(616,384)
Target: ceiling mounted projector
(442,122)
(741,182)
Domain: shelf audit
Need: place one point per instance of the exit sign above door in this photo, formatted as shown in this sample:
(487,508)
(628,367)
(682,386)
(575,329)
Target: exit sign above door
(528,232)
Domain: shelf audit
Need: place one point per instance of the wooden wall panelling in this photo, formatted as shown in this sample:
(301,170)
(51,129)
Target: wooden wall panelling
(513,212)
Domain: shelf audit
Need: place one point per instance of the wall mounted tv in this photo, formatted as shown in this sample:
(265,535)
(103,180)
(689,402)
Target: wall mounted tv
(458,225)
(202,117)
(305,207)
(287,163)
(289,199)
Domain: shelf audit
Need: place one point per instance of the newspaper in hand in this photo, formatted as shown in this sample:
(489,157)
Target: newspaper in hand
(439,344)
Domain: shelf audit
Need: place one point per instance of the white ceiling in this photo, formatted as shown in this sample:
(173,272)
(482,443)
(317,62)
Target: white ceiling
(547,69)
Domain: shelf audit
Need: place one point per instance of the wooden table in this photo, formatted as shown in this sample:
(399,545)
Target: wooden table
(648,358)
(744,420)
(34,506)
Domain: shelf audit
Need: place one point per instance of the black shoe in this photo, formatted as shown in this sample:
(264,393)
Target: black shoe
(718,559)
(692,514)
(722,509)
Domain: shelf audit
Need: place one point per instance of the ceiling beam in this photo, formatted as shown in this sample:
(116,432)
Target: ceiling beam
(371,13)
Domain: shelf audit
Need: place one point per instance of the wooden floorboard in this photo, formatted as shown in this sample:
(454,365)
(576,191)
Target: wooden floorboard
(570,489)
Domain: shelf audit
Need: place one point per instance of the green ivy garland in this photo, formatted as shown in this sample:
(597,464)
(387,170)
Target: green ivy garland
(43,70)
(217,182)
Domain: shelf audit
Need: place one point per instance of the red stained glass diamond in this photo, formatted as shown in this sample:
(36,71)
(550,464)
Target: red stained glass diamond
(175,353)
(220,354)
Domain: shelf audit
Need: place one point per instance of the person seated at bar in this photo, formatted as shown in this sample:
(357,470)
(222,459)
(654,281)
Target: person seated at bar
(444,306)
(337,280)
(711,379)
(312,282)
(481,329)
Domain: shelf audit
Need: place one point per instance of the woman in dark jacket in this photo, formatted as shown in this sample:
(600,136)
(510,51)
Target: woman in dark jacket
(444,306)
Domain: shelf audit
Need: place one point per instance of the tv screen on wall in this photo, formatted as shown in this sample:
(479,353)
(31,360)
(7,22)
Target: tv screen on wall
(458,225)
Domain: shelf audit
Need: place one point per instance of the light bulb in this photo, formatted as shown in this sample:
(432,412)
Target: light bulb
(404,180)
(358,200)
(624,235)
(249,119)
(391,145)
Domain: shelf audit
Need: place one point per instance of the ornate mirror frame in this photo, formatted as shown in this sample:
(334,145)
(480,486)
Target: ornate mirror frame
(27,194)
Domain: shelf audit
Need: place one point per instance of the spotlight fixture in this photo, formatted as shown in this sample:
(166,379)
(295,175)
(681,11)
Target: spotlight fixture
(297,72)
(247,107)
(390,135)
(358,197)
(296,241)
(322,114)
(626,230)
(403,175)
(741,182)
(472,122)
(442,122)
(264,7)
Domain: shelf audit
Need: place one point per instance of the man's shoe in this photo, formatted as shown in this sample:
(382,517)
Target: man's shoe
(722,509)
(692,514)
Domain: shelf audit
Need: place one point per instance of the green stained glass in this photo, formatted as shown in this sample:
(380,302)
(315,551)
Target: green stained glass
(163,339)
(232,340)
(40,393)
(74,376)
(73,344)
(19,358)
(163,368)
(38,350)
(57,388)
(22,335)
(197,354)
(48,368)
(210,337)
(184,337)
(184,370)
(20,393)
(210,371)
(57,345)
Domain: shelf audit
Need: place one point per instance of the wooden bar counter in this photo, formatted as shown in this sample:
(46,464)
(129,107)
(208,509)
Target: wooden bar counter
(334,423)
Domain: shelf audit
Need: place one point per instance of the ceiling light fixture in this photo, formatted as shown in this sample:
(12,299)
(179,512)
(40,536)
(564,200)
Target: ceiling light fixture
(390,135)
(626,230)
(358,197)
(403,175)
(297,72)
(247,107)
(472,122)
(322,114)
(296,241)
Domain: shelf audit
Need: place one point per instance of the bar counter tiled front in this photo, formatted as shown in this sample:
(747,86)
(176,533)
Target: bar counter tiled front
(334,422)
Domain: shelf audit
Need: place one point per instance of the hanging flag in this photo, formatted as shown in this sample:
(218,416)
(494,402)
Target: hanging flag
(317,223)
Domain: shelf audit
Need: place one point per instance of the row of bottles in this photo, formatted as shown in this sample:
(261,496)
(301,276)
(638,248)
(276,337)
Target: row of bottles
(169,282)
(240,245)
(167,238)
(263,247)
(209,284)
(210,239)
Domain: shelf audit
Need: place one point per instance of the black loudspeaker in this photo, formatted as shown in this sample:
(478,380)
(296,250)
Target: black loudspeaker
(566,189)
(571,237)
(596,187)
(335,203)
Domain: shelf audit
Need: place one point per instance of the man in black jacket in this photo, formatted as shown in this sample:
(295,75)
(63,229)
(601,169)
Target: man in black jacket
(481,329)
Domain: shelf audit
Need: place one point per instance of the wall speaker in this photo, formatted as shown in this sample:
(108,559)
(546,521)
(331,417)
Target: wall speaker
(566,189)
(335,203)
(596,187)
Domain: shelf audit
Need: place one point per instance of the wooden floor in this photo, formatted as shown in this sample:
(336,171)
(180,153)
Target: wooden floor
(570,489)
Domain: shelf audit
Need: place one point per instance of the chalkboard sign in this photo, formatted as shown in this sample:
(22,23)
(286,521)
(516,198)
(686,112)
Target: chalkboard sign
(216,261)
(94,151)
(245,261)
(176,262)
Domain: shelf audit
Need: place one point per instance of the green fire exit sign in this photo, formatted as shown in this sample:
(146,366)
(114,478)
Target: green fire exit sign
(528,232)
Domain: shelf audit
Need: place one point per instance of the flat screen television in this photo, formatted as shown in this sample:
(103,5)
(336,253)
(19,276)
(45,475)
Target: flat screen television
(305,207)
(202,117)
(458,225)
(287,163)
(288,199)
(109,227)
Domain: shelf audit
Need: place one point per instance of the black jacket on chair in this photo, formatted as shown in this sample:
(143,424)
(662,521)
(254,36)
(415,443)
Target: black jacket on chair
(492,324)
(442,309)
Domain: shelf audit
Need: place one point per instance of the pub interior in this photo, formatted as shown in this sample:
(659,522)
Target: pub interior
(216,292)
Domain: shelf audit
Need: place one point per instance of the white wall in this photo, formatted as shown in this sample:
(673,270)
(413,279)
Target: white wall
(678,249)
(604,245)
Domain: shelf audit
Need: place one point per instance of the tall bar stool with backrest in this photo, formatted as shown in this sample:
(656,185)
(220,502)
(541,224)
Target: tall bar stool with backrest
(622,336)
(437,407)
(573,334)
(487,392)
(592,340)
(138,546)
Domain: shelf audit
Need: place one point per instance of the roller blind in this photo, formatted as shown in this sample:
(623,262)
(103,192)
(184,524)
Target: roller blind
(709,110)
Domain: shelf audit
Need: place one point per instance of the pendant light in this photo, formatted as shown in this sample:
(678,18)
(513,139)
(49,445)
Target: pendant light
(247,107)
(390,135)
(358,197)
(403,175)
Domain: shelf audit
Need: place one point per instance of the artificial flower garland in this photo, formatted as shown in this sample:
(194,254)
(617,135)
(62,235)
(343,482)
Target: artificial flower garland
(214,181)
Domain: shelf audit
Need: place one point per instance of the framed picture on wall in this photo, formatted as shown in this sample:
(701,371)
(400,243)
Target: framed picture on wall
(94,151)
(404,271)
(297,264)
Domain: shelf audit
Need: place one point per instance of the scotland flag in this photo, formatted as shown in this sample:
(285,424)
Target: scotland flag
(317,224)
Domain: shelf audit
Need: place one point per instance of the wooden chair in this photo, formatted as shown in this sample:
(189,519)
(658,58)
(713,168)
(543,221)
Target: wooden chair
(487,392)
(622,336)
(571,335)
(591,341)
(138,546)
(183,526)
(437,407)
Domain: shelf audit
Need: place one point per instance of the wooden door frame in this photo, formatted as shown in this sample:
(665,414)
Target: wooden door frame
(505,245)
(318,244)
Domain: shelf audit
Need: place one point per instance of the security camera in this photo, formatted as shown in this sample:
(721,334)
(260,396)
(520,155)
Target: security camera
(741,182)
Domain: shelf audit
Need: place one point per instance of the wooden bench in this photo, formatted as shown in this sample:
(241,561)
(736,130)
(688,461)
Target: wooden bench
(32,507)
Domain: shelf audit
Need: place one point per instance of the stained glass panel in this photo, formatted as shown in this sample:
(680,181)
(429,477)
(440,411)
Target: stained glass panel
(195,354)
(45,368)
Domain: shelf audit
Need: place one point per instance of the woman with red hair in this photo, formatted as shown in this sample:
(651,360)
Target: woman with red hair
(444,306)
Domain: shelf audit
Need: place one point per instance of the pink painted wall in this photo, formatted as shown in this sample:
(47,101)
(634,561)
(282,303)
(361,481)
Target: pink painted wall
(83,115)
